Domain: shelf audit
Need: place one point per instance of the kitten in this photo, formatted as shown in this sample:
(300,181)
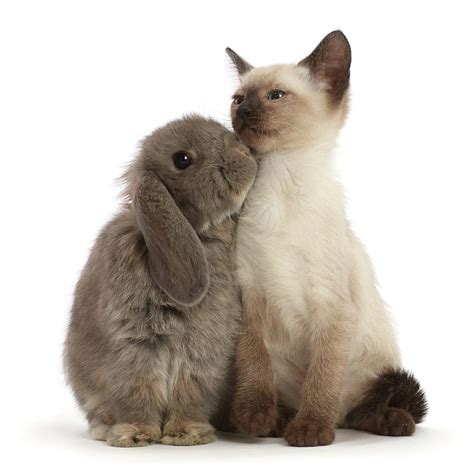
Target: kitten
(317,349)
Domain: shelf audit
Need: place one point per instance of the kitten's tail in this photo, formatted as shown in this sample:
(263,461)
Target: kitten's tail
(392,405)
(406,393)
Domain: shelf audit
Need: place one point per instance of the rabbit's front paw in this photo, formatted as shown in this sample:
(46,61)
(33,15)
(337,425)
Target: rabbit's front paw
(130,435)
(187,433)
(256,415)
(308,432)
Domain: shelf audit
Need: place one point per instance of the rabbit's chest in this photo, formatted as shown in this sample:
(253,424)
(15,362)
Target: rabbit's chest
(151,324)
(155,325)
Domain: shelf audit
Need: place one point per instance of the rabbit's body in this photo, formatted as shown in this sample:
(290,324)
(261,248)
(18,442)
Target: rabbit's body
(144,366)
(120,320)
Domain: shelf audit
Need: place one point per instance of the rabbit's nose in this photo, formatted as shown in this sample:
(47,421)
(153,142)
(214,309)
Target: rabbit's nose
(244,151)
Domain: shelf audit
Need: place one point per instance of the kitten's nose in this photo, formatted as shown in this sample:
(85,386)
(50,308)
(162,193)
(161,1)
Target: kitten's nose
(244,112)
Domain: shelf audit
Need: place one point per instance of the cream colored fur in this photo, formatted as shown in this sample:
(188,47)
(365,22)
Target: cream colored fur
(296,250)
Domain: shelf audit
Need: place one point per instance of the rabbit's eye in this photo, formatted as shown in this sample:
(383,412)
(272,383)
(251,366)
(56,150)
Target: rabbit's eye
(238,99)
(276,94)
(182,160)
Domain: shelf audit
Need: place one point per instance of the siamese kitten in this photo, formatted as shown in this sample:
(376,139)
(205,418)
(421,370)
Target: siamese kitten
(317,350)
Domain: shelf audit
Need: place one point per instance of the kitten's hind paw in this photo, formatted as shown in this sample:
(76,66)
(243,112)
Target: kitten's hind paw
(396,422)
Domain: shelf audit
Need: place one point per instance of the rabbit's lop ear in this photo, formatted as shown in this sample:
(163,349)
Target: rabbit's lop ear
(175,254)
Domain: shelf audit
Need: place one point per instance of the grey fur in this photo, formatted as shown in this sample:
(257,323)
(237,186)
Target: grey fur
(156,309)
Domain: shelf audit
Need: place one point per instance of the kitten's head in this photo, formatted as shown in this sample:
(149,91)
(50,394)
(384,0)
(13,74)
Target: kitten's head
(286,106)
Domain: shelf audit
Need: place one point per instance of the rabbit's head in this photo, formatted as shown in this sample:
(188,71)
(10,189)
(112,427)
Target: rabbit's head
(190,175)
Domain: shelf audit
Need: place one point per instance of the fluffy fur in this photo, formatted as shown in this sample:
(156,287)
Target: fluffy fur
(156,309)
(316,332)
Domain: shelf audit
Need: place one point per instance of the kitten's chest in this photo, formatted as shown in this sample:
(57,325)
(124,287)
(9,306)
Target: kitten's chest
(290,236)
(290,247)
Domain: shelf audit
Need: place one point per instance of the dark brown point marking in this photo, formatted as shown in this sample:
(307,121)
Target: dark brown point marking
(392,406)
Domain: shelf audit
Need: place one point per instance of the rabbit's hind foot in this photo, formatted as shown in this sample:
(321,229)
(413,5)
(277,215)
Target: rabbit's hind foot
(100,421)
(131,435)
(98,429)
(188,433)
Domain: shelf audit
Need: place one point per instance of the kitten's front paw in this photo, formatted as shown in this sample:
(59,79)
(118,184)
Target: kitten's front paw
(187,433)
(131,435)
(305,432)
(255,416)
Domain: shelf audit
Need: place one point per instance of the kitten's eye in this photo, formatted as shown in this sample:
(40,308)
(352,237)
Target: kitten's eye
(276,94)
(238,99)
(182,160)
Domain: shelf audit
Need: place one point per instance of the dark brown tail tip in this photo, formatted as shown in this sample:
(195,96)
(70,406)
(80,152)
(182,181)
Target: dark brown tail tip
(406,393)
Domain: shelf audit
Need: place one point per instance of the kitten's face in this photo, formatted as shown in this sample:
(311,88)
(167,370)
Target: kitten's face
(287,106)
(277,107)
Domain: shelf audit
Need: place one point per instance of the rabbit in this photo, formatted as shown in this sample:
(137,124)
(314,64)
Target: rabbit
(156,310)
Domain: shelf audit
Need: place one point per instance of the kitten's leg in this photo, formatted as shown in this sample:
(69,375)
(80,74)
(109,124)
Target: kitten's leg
(285,415)
(392,405)
(187,422)
(315,422)
(254,410)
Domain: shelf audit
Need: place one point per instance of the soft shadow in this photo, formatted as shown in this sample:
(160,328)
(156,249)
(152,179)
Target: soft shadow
(244,439)
(51,430)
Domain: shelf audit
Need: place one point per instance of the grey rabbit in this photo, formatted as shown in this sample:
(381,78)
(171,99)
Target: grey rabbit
(157,309)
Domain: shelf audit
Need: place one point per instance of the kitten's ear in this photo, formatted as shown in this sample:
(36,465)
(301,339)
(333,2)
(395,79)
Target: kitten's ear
(330,63)
(240,64)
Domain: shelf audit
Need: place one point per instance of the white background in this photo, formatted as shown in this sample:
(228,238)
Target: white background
(82,82)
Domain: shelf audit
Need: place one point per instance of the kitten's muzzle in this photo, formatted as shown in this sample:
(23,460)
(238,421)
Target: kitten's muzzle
(245,112)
